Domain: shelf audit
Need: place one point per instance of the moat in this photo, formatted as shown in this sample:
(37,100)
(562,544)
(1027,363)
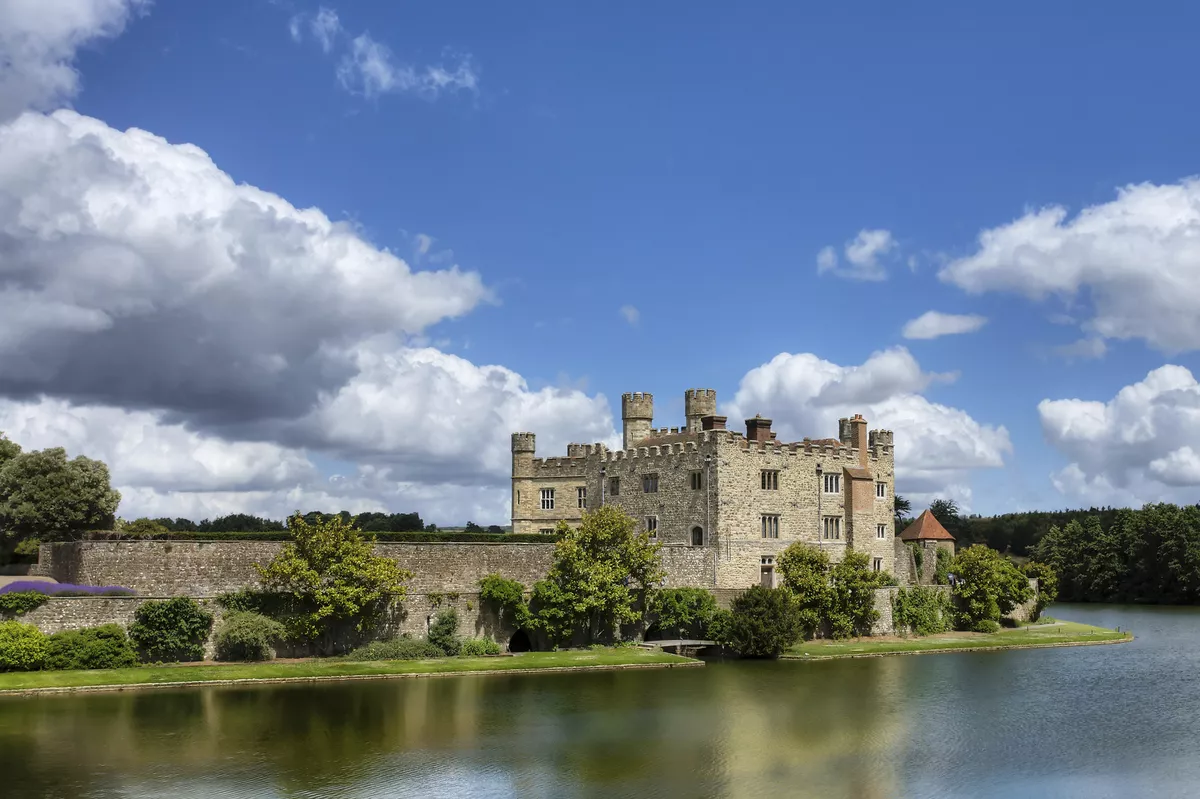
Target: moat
(1076,722)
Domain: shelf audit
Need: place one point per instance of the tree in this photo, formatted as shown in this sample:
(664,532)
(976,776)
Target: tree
(339,587)
(852,609)
(805,572)
(144,526)
(44,495)
(901,509)
(472,527)
(761,623)
(988,586)
(683,611)
(1047,585)
(9,449)
(603,574)
(946,511)
(495,529)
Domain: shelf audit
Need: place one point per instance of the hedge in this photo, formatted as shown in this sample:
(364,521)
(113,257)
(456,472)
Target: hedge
(416,537)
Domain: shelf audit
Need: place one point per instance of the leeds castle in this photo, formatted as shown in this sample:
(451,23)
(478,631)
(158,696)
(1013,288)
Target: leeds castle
(723,503)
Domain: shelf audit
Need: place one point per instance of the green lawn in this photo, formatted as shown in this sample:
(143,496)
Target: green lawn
(1057,633)
(333,668)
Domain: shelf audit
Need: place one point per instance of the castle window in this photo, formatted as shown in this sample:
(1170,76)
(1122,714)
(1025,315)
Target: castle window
(547,499)
(697,536)
(877,564)
(652,526)
(518,496)
(650,483)
(770,526)
(581,493)
(770,480)
(547,531)
(881,531)
(832,528)
(881,490)
(697,481)
(833,483)
(614,485)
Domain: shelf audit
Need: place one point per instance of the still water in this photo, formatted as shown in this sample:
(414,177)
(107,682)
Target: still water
(1107,721)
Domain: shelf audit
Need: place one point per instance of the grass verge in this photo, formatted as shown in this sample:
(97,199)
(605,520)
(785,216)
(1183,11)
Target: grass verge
(334,668)
(1066,633)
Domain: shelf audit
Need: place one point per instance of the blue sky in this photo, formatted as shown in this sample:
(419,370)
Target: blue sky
(691,161)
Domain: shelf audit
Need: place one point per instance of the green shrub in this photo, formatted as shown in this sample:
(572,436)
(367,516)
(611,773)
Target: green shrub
(987,586)
(682,612)
(104,647)
(507,598)
(18,603)
(397,649)
(762,623)
(923,610)
(477,647)
(246,636)
(986,626)
(941,571)
(22,647)
(1047,585)
(443,633)
(171,631)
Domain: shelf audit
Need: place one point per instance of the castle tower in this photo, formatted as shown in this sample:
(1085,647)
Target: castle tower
(637,417)
(698,403)
(523,447)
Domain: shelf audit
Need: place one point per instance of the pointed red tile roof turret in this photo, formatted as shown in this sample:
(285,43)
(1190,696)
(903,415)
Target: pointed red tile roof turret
(926,528)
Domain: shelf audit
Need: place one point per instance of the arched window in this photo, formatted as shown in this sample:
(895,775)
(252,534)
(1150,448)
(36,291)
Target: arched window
(697,537)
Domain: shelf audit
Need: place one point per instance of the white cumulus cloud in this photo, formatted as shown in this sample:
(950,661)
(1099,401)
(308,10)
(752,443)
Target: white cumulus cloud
(934,324)
(1136,259)
(38,41)
(1143,445)
(937,446)
(863,254)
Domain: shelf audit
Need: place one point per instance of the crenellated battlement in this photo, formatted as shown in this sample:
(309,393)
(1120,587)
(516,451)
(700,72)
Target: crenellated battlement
(696,393)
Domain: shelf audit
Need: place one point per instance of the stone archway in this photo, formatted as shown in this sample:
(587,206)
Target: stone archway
(520,642)
(697,536)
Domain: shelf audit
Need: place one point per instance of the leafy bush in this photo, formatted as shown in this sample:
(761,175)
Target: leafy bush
(838,599)
(805,572)
(22,647)
(397,649)
(341,587)
(104,647)
(762,623)
(443,633)
(507,597)
(478,647)
(1047,585)
(941,571)
(923,610)
(246,636)
(170,631)
(683,611)
(986,626)
(987,586)
(18,603)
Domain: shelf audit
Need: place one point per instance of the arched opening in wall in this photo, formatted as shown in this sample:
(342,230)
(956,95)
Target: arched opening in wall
(519,642)
(697,536)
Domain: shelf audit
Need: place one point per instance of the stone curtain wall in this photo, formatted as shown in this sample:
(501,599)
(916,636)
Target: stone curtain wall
(200,569)
(411,617)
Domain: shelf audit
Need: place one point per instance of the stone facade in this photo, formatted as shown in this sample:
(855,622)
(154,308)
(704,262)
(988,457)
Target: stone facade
(737,499)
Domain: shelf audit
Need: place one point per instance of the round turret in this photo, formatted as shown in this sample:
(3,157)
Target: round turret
(524,442)
(698,403)
(637,417)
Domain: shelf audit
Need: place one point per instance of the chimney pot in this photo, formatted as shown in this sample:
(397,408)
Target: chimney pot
(758,429)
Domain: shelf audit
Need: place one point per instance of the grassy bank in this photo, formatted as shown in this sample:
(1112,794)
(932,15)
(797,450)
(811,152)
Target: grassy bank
(332,669)
(1034,635)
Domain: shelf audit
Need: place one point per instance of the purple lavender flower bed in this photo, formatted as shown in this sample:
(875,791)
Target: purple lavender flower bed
(65,589)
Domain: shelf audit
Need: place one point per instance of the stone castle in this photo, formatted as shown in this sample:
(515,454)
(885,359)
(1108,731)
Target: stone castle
(733,501)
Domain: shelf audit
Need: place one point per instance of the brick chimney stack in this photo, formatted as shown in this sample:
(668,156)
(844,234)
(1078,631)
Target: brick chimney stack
(758,429)
(713,422)
(858,438)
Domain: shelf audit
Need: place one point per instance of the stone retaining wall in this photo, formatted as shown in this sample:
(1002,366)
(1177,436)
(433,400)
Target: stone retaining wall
(210,568)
